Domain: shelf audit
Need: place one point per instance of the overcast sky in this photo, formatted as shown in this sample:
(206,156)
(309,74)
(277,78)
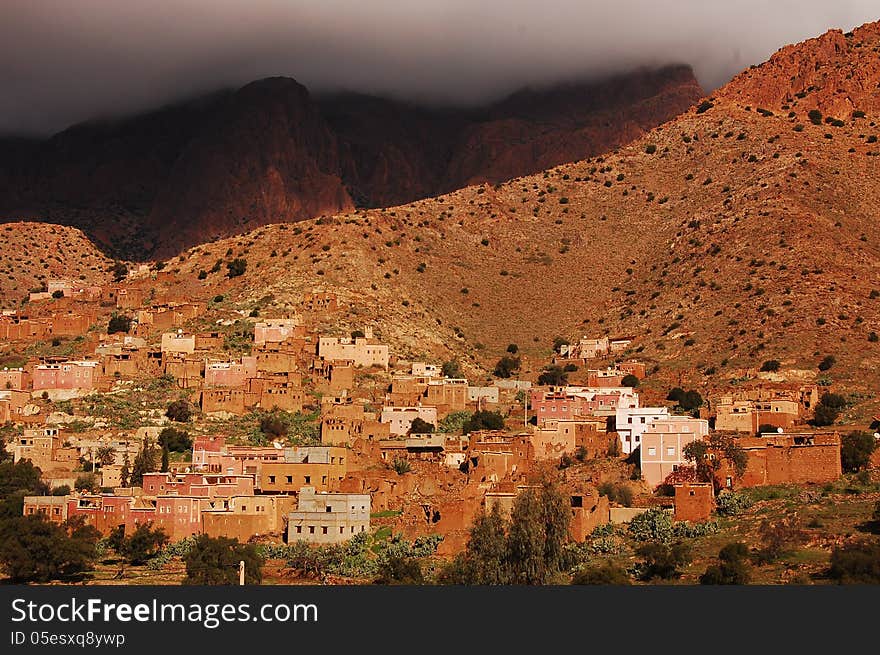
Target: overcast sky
(63,61)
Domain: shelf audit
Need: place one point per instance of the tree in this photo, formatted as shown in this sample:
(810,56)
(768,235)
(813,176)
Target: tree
(166,457)
(215,561)
(451,369)
(177,441)
(553,376)
(559,342)
(828,409)
(779,538)
(144,462)
(630,381)
(675,394)
(357,334)
(526,549)
(691,400)
(732,567)
(606,573)
(118,323)
(856,449)
(856,563)
(484,560)
(815,116)
(180,411)
(484,420)
(125,473)
(725,448)
(274,426)
(663,561)
(86,482)
(21,477)
(827,363)
(512,348)
(420,426)
(32,549)
(770,366)
(106,455)
(120,271)
(506,367)
(142,544)
(236,267)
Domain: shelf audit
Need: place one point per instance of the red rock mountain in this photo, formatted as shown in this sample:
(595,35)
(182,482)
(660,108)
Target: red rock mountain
(270,152)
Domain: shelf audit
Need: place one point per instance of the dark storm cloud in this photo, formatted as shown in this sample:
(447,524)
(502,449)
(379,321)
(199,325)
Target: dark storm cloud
(63,61)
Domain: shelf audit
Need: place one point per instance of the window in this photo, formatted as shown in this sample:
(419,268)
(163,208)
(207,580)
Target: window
(308,479)
(311,529)
(670,450)
(643,419)
(271,479)
(329,509)
(341,530)
(652,451)
(289,479)
(324,529)
(299,529)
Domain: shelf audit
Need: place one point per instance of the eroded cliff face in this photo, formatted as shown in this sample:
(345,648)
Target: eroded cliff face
(270,152)
(836,73)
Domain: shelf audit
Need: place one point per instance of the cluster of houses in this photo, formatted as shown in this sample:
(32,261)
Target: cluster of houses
(376,453)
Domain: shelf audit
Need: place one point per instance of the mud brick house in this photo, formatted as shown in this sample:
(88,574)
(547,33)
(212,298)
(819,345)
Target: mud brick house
(663,444)
(782,405)
(631,422)
(328,518)
(364,351)
(399,419)
(795,458)
(178,342)
(126,363)
(71,324)
(334,375)
(278,358)
(694,501)
(15,378)
(209,341)
(483,396)
(285,396)
(230,373)
(345,429)
(129,297)
(242,517)
(427,447)
(17,327)
(13,405)
(589,510)
(421,369)
(278,330)
(632,367)
(54,508)
(320,467)
(320,301)
(38,445)
(607,377)
(223,400)
(186,369)
(556,437)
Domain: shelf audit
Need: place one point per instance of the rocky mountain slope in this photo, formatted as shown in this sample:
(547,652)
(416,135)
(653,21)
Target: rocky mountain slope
(270,152)
(739,232)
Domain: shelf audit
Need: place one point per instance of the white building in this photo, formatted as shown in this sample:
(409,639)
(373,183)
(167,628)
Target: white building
(631,422)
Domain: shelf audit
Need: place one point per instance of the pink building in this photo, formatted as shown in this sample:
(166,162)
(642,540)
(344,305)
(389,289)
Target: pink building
(276,330)
(230,374)
(14,378)
(66,375)
(663,444)
(200,485)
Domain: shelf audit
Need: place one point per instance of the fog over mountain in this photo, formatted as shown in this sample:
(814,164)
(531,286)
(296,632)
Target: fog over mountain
(62,62)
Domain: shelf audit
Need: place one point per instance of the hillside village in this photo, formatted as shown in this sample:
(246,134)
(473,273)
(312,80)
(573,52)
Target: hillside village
(287,429)
(680,333)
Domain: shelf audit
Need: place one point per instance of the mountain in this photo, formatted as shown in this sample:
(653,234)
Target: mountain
(153,184)
(738,232)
